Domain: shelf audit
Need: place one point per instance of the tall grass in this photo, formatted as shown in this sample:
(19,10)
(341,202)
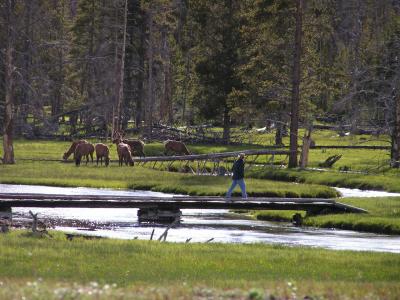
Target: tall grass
(216,265)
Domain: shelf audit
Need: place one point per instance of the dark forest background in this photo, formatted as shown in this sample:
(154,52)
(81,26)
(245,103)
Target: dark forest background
(97,66)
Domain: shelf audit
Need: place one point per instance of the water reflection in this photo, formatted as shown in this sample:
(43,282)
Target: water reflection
(199,225)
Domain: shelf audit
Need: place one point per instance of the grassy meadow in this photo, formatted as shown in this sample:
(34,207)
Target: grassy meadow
(54,268)
(57,173)
(383,216)
(59,269)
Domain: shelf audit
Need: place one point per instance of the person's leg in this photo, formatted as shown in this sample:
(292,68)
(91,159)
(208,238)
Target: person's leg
(242,185)
(229,193)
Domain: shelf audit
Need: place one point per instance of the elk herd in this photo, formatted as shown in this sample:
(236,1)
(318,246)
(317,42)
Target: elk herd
(126,148)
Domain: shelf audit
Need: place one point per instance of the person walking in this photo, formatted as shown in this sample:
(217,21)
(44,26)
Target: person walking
(238,177)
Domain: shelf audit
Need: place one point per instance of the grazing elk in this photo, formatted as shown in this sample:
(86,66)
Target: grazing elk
(137,146)
(124,154)
(175,147)
(102,151)
(83,149)
(72,148)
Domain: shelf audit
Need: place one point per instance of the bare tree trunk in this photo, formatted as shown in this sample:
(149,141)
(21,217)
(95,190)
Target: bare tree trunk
(27,62)
(166,103)
(305,149)
(395,151)
(150,83)
(185,85)
(120,75)
(141,92)
(9,87)
(294,117)
(227,125)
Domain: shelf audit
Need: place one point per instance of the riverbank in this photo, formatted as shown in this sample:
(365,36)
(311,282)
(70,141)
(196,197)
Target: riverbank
(142,178)
(52,265)
(366,166)
(388,181)
(383,216)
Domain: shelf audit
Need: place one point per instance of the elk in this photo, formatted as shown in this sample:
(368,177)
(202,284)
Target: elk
(175,147)
(72,148)
(137,146)
(124,154)
(83,149)
(102,151)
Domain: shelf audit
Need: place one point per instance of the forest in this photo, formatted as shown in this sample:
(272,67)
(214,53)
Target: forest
(295,101)
(90,67)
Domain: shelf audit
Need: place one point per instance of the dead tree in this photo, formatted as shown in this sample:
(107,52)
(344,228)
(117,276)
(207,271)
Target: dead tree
(296,78)
(305,149)
(328,163)
(9,84)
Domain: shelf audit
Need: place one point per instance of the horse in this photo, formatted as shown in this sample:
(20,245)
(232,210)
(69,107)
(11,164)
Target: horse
(83,149)
(72,148)
(102,151)
(176,147)
(124,154)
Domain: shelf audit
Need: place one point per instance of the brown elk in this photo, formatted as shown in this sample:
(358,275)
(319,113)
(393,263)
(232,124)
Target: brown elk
(124,154)
(72,148)
(83,149)
(137,146)
(102,151)
(175,147)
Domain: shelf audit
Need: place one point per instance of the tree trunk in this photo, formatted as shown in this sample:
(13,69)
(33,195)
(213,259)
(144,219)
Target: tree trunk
(305,150)
(185,86)
(279,125)
(150,83)
(395,151)
(141,52)
(294,117)
(27,61)
(120,72)
(9,87)
(166,103)
(227,125)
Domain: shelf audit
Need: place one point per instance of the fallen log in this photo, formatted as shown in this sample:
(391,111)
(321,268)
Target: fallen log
(328,163)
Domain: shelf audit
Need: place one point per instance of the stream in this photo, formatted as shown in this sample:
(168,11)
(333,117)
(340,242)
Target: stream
(198,225)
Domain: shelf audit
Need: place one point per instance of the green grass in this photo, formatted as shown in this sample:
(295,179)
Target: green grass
(383,216)
(390,181)
(216,267)
(61,174)
(278,290)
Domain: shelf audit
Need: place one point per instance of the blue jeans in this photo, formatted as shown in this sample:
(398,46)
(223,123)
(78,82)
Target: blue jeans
(242,186)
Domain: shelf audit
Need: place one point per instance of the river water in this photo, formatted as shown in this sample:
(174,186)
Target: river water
(198,225)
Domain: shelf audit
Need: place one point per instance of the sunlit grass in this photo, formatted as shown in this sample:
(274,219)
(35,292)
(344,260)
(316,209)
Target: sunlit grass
(215,265)
(388,181)
(61,174)
(278,290)
(383,216)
